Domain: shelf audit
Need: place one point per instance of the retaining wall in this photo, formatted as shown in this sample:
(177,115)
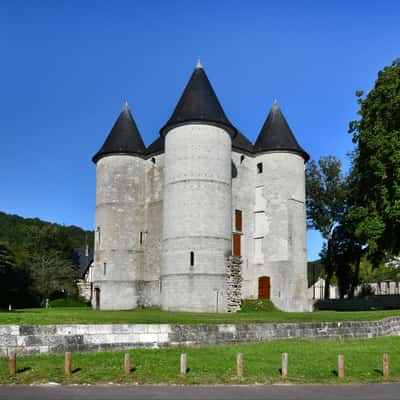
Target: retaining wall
(42,339)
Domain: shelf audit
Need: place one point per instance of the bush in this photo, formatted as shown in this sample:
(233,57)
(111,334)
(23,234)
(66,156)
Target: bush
(366,290)
(68,302)
(257,305)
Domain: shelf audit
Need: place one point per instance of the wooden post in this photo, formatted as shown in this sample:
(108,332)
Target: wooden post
(183,364)
(12,363)
(385,365)
(127,364)
(284,365)
(68,364)
(239,365)
(340,367)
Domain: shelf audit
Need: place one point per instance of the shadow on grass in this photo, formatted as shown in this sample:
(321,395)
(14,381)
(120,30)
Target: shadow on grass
(378,371)
(25,369)
(334,372)
(75,370)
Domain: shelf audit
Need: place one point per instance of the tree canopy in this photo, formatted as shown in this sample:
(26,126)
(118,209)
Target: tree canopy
(375,176)
(36,259)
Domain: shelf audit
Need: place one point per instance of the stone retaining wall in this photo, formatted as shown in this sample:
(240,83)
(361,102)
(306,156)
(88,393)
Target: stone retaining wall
(43,339)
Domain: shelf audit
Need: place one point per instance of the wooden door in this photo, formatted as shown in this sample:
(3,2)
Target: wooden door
(97,298)
(264,287)
(236,245)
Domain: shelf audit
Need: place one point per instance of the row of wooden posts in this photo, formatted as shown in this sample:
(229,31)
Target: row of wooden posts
(183,370)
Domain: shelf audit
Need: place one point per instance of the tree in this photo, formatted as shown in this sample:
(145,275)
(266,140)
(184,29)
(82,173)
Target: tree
(326,203)
(52,273)
(346,254)
(375,200)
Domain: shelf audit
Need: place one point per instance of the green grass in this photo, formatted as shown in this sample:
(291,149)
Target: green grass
(85,315)
(67,302)
(309,362)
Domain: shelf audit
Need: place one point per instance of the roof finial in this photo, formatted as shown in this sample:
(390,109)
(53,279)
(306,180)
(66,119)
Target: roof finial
(275,102)
(126,105)
(198,65)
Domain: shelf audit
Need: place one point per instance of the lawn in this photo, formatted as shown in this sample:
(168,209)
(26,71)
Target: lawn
(85,315)
(309,362)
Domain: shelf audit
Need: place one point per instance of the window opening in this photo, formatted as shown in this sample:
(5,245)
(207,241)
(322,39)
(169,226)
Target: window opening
(191,258)
(260,168)
(238,220)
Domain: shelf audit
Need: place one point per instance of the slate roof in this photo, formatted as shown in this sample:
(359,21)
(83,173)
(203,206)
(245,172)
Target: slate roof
(241,143)
(276,135)
(198,104)
(81,261)
(124,138)
(155,148)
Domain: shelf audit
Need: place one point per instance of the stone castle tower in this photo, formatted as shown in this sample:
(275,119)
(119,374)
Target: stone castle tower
(169,216)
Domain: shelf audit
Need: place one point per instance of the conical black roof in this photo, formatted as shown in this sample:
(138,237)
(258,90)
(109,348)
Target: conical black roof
(276,135)
(124,138)
(198,104)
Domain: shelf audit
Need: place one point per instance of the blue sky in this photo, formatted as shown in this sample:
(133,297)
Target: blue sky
(66,68)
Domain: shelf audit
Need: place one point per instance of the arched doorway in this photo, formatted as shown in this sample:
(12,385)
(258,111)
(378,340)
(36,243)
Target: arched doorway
(97,298)
(264,287)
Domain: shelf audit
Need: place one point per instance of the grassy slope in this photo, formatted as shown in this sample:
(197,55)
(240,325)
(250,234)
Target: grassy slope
(309,362)
(85,315)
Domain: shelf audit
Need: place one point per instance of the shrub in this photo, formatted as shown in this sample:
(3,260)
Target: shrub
(257,305)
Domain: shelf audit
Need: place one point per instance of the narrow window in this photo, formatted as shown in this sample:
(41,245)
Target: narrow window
(241,158)
(141,238)
(238,220)
(153,160)
(260,168)
(98,236)
(192,258)
(104,268)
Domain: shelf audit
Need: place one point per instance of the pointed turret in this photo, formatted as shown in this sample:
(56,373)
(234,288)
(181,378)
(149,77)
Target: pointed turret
(276,135)
(124,137)
(198,104)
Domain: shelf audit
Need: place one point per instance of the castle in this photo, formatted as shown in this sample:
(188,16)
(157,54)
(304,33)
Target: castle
(201,218)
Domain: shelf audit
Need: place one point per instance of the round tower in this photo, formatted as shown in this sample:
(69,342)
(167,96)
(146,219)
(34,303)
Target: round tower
(118,256)
(197,220)
(280,215)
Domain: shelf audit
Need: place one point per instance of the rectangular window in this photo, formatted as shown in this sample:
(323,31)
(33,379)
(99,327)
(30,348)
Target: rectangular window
(238,220)
(260,168)
(141,238)
(104,268)
(258,251)
(236,245)
(98,236)
(191,258)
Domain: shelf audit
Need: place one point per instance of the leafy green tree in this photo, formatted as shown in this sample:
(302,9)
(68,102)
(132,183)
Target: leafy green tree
(326,204)
(346,258)
(52,273)
(375,199)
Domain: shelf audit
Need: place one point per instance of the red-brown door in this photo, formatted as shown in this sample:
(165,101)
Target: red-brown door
(264,287)
(236,245)
(97,298)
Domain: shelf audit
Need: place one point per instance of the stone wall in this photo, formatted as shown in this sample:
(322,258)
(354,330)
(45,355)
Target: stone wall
(234,283)
(82,338)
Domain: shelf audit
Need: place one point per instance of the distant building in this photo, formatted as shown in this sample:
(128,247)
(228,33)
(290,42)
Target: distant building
(202,217)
